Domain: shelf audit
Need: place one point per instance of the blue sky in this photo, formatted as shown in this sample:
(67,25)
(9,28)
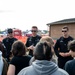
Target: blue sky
(23,14)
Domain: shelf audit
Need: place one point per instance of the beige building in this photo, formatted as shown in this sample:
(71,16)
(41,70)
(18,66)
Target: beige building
(56,27)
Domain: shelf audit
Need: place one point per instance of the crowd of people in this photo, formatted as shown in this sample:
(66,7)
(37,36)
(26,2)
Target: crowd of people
(39,55)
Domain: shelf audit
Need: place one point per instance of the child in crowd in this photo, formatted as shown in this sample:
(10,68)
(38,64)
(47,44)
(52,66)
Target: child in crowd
(20,59)
(70,65)
(51,42)
(42,64)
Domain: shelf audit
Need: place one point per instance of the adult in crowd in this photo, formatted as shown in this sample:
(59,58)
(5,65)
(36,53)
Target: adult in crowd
(70,65)
(43,64)
(51,42)
(7,42)
(61,49)
(20,59)
(32,40)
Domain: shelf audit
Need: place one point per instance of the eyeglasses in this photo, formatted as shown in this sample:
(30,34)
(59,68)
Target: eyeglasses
(33,31)
(64,31)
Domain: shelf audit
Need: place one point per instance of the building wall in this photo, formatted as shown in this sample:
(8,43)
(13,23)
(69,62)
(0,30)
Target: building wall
(56,30)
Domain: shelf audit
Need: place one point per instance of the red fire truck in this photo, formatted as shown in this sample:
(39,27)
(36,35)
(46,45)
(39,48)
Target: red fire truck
(17,32)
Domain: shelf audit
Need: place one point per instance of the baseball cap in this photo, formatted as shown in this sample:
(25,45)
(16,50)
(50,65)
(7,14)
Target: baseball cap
(10,30)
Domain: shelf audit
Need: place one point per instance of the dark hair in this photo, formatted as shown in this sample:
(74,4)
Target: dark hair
(10,30)
(42,51)
(34,27)
(18,48)
(66,27)
(71,45)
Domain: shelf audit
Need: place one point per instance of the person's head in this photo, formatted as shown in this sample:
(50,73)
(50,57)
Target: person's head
(71,47)
(34,30)
(18,48)
(42,51)
(48,39)
(65,31)
(10,33)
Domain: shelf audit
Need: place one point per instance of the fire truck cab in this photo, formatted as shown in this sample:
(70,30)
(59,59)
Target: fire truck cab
(17,32)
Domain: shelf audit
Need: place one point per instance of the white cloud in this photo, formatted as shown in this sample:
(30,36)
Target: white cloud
(23,14)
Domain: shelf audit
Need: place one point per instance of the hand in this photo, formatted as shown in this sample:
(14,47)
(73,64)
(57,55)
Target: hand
(67,54)
(31,47)
(62,54)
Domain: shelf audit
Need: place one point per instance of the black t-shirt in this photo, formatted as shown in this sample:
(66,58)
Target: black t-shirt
(8,44)
(20,62)
(62,45)
(32,41)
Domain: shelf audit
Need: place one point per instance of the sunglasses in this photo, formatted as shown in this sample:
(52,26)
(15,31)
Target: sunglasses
(64,31)
(33,31)
(10,32)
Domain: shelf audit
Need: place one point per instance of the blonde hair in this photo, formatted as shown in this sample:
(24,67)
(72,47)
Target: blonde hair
(47,39)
